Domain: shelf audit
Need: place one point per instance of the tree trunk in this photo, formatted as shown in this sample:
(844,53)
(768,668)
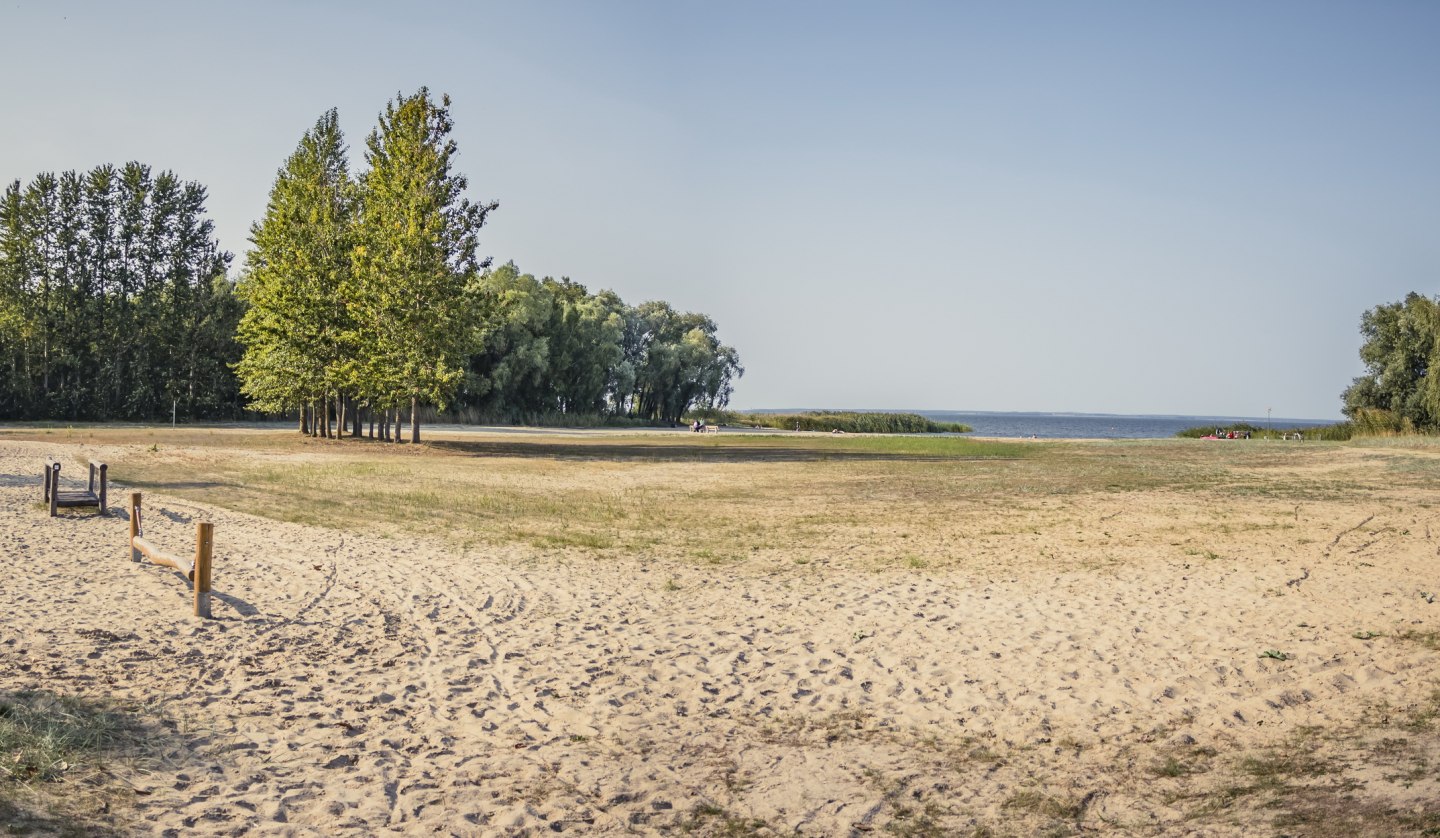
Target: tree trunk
(304,420)
(372,423)
(340,415)
(414,420)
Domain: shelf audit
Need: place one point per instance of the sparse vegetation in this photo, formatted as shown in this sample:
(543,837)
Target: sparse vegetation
(849,421)
(1425,639)
(55,752)
(711,820)
(1338,432)
(808,504)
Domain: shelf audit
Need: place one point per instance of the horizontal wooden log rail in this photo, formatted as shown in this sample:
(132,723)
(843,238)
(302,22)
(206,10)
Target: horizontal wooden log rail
(89,497)
(195,568)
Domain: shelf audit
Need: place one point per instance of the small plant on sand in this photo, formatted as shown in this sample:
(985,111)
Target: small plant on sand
(1038,803)
(709,819)
(53,755)
(923,822)
(1426,639)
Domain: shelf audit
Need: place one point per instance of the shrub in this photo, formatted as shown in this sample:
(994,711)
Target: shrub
(847,421)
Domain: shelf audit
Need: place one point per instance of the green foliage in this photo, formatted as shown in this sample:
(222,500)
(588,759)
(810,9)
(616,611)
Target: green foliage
(541,419)
(847,421)
(510,359)
(678,361)
(363,293)
(546,347)
(1400,391)
(1376,422)
(299,332)
(417,238)
(114,301)
(374,291)
(1338,432)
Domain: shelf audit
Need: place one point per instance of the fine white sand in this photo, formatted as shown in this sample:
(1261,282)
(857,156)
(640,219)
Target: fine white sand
(358,684)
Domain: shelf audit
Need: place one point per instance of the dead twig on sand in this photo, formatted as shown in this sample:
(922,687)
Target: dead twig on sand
(1345,533)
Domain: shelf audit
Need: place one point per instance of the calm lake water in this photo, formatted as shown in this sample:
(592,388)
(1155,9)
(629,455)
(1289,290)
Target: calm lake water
(1100,426)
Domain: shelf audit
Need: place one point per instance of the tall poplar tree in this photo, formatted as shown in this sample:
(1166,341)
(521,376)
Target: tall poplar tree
(299,330)
(114,299)
(416,255)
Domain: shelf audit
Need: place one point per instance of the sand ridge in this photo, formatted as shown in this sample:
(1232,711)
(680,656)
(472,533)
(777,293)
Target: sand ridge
(362,684)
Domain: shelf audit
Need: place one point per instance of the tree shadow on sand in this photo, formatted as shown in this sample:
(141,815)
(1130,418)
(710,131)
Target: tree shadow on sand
(658,452)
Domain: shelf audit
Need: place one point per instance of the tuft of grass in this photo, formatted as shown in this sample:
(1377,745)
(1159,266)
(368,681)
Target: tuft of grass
(55,752)
(926,821)
(711,820)
(1426,639)
(43,736)
(1038,803)
(1336,812)
(801,729)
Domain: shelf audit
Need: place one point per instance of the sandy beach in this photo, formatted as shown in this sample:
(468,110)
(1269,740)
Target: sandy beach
(1088,662)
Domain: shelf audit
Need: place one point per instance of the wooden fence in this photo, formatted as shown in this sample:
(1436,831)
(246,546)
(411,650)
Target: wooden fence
(195,568)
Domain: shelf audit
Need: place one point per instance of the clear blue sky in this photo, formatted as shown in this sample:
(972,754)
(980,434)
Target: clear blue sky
(1107,207)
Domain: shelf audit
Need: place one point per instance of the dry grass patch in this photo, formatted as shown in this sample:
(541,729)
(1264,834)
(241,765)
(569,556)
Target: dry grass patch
(57,755)
(1316,781)
(902,503)
(707,819)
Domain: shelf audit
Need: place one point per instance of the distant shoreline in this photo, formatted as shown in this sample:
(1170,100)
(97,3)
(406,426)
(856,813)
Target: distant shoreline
(1199,419)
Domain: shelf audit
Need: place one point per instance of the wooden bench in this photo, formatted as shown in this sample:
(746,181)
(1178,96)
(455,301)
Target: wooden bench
(89,497)
(712,429)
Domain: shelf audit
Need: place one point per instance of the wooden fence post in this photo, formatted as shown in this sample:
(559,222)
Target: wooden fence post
(134,525)
(204,546)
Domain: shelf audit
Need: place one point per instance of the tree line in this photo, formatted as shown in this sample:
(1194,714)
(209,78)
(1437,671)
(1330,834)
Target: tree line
(114,300)
(549,346)
(362,300)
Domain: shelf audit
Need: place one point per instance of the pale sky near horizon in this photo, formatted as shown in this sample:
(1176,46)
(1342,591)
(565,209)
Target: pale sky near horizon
(1116,207)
